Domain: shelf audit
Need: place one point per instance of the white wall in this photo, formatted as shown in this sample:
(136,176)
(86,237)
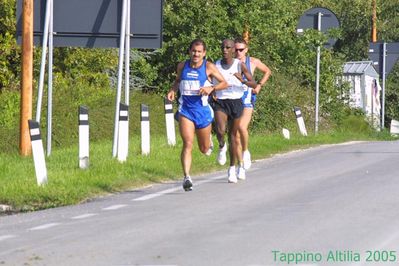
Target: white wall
(364,96)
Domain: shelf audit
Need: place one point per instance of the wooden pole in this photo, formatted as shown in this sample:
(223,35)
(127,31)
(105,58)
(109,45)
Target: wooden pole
(25,148)
(374,26)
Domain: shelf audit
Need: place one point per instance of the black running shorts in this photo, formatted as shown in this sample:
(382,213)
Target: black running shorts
(231,107)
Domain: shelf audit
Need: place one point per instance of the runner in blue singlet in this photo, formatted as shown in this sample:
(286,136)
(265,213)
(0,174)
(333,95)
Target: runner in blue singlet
(252,64)
(195,115)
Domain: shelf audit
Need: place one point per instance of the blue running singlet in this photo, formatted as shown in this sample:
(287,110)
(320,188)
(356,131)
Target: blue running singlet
(192,105)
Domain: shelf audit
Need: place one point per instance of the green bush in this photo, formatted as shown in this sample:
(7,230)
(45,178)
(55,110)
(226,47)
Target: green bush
(9,109)
(9,51)
(89,76)
(355,123)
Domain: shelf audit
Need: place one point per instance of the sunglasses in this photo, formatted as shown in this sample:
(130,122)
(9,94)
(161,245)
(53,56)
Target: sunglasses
(240,50)
(227,47)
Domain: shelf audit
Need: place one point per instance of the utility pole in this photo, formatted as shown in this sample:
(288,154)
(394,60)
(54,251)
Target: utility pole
(25,148)
(374,20)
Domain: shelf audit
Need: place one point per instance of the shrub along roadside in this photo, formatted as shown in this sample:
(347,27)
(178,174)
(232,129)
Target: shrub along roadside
(70,185)
(67,97)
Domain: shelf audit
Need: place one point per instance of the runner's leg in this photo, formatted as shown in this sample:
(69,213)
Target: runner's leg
(203,137)
(245,119)
(187,132)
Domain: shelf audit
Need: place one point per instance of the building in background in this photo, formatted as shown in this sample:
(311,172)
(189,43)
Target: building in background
(365,89)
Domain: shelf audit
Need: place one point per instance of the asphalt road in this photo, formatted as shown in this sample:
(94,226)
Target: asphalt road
(330,205)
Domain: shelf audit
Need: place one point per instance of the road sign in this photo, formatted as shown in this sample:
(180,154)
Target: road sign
(96,23)
(376,55)
(309,20)
(384,57)
(321,19)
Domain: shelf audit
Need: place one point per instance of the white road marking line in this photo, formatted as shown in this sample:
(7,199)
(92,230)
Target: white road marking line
(156,265)
(174,189)
(44,226)
(5,237)
(157,194)
(83,216)
(114,207)
(388,241)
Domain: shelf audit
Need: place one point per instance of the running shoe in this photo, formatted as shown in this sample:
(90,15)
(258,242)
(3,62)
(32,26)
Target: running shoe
(246,157)
(241,173)
(222,155)
(232,176)
(187,183)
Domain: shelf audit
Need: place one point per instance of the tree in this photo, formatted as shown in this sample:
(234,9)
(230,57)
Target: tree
(9,51)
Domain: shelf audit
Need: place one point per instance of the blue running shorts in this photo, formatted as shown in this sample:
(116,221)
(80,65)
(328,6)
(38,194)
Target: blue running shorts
(200,116)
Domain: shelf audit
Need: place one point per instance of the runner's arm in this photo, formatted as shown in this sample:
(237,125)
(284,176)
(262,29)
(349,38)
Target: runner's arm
(172,92)
(266,74)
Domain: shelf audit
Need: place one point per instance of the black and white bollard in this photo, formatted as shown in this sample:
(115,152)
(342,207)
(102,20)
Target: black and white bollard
(38,152)
(83,137)
(145,130)
(286,133)
(170,123)
(394,129)
(123,132)
(301,122)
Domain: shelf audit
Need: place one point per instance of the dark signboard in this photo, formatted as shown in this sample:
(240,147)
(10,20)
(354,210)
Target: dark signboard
(309,20)
(376,54)
(97,23)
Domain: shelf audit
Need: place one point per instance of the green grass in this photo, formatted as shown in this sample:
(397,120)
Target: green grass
(68,184)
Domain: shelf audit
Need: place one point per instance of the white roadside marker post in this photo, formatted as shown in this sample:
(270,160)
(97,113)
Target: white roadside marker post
(394,129)
(301,122)
(286,133)
(38,152)
(123,132)
(145,130)
(83,137)
(170,123)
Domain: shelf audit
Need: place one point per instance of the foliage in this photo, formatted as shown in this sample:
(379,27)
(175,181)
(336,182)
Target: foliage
(392,95)
(9,51)
(9,108)
(86,65)
(143,73)
(89,74)
(388,20)
(389,32)
(355,123)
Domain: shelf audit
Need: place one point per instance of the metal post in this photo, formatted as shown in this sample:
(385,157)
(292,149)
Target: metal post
(316,129)
(43,62)
(120,74)
(384,53)
(50,80)
(374,88)
(127,55)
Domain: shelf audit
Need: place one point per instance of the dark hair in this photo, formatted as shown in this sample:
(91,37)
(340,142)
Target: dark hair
(240,40)
(197,42)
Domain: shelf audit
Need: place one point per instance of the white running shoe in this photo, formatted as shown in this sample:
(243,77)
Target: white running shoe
(246,157)
(232,176)
(209,152)
(187,183)
(222,155)
(241,173)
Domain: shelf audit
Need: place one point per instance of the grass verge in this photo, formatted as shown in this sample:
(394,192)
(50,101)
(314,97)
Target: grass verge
(70,185)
